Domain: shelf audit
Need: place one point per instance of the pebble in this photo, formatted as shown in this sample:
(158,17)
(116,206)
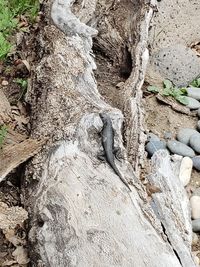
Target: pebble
(120,84)
(192,103)
(196,226)
(179,148)
(198,125)
(195,206)
(184,135)
(195,142)
(193,92)
(195,239)
(4,83)
(196,162)
(152,137)
(185,170)
(153,146)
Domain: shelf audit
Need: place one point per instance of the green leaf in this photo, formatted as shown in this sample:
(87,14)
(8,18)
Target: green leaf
(167,92)
(5,47)
(198,82)
(176,92)
(167,84)
(182,99)
(153,89)
(183,91)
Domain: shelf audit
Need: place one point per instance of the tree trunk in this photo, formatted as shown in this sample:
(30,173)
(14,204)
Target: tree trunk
(81,214)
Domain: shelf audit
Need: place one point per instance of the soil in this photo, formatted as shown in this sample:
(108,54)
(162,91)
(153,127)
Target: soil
(15,69)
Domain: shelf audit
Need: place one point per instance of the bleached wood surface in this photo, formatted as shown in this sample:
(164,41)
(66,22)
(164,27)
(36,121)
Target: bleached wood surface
(81,214)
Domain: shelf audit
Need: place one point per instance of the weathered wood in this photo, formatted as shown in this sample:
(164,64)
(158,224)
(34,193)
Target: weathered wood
(172,205)
(13,155)
(81,214)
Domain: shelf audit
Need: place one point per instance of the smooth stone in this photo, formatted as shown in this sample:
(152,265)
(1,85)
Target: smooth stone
(179,148)
(198,112)
(153,146)
(195,142)
(192,103)
(193,92)
(195,238)
(198,125)
(195,207)
(196,162)
(152,137)
(185,170)
(184,135)
(196,226)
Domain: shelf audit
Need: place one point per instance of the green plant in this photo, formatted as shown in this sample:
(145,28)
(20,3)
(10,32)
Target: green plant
(7,20)
(153,89)
(28,8)
(3,132)
(5,47)
(10,10)
(170,90)
(196,83)
(23,84)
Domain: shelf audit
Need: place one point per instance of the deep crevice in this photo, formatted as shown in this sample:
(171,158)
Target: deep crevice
(126,65)
(175,252)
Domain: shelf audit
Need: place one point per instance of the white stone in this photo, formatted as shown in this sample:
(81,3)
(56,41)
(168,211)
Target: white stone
(195,239)
(195,206)
(185,170)
(4,83)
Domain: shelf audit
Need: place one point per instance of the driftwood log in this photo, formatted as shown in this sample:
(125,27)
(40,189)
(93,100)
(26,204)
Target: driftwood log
(81,214)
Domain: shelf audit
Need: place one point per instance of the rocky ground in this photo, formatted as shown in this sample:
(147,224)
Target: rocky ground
(174,47)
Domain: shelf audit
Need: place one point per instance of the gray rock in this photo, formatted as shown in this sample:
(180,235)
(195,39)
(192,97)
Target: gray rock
(170,28)
(195,142)
(179,148)
(196,163)
(196,225)
(184,135)
(198,125)
(193,92)
(177,63)
(152,137)
(153,146)
(192,103)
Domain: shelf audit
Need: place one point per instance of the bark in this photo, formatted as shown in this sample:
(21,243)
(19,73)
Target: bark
(81,214)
